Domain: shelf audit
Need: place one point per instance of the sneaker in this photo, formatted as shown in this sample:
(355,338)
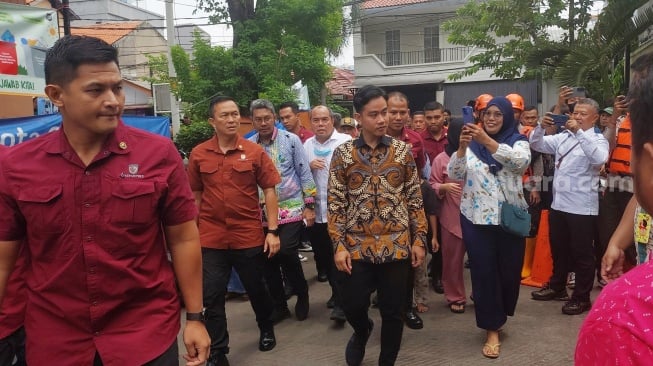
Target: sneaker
(571,280)
(575,307)
(305,246)
(302,258)
(546,293)
(338,315)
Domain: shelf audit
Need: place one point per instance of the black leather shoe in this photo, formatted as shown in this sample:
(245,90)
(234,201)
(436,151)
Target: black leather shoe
(331,302)
(437,286)
(322,277)
(267,341)
(279,314)
(338,314)
(218,360)
(301,307)
(412,320)
(546,293)
(355,351)
(575,307)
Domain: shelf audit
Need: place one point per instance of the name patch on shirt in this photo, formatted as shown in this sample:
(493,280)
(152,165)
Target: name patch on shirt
(133,172)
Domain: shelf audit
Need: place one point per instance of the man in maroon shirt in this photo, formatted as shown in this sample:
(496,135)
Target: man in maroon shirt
(99,204)
(289,116)
(225,173)
(12,312)
(435,135)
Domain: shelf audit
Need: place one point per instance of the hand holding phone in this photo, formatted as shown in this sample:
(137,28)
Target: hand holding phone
(559,119)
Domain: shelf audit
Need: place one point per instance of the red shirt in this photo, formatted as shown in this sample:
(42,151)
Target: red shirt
(304,134)
(432,146)
(12,311)
(414,140)
(99,277)
(230,214)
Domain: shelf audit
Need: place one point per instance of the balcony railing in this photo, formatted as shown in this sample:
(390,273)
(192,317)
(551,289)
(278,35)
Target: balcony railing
(424,56)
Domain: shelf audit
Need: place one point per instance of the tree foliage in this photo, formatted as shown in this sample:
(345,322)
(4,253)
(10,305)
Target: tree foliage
(510,30)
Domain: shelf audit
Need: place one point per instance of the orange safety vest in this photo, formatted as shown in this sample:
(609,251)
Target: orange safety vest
(526,131)
(619,162)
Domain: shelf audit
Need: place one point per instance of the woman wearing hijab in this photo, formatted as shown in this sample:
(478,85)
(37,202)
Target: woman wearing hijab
(491,161)
(453,249)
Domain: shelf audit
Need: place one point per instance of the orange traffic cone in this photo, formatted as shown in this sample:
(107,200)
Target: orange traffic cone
(528,258)
(542,267)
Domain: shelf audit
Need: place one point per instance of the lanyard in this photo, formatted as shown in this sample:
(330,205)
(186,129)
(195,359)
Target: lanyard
(566,153)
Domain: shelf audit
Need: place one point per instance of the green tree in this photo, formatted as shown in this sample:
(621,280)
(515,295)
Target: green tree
(278,42)
(509,31)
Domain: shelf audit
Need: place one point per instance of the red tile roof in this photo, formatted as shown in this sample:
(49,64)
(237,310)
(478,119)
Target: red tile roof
(340,82)
(371,4)
(108,32)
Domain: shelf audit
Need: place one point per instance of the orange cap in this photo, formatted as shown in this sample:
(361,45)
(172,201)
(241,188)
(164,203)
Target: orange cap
(516,100)
(482,101)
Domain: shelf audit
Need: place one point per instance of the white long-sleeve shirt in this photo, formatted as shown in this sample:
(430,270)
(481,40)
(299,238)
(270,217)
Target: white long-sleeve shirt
(576,178)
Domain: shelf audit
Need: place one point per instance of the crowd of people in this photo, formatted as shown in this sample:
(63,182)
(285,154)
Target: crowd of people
(387,199)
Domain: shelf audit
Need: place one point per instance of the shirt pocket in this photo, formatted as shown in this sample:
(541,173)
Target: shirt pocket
(210,175)
(44,209)
(133,203)
(242,173)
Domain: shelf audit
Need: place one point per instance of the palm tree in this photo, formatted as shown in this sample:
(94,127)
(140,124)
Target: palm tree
(595,60)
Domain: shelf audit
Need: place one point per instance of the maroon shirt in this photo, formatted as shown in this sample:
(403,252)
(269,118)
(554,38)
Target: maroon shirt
(414,140)
(432,146)
(12,311)
(99,277)
(304,134)
(230,213)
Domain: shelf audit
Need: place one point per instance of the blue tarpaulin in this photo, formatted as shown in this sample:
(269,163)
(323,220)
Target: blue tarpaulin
(16,130)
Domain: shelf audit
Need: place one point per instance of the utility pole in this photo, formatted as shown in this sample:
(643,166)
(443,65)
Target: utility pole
(65,11)
(170,31)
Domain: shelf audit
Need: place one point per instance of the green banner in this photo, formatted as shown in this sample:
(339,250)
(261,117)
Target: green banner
(26,33)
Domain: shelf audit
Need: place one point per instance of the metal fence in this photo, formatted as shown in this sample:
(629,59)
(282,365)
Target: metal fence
(424,56)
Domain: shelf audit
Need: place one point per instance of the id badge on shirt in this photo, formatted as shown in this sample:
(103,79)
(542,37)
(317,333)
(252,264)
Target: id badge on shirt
(643,228)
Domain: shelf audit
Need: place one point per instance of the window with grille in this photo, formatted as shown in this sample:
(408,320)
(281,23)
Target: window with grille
(432,44)
(392,48)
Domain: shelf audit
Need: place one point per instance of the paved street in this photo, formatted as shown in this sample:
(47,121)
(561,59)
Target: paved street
(538,334)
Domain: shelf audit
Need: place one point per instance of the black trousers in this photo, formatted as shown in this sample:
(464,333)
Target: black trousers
(572,238)
(323,254)
(389,279)
(167,358)
(216,267)
(611,207)
(495,262)
(13,346)
(287,259)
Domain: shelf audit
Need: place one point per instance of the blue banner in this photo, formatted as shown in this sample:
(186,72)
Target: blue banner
(14,131)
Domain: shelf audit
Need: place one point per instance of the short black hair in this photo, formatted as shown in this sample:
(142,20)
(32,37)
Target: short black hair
(70,52)
(217,100)
(292,105)
(530,108)
(433,106)
(417,113)
(446,111)
(640,96)
(365,94)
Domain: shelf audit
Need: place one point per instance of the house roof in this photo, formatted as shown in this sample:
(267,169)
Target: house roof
(372,4)
(341,81)
(108,32)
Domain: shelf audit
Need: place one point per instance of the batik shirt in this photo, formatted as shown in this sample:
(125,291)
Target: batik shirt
(375,207)
(297,186)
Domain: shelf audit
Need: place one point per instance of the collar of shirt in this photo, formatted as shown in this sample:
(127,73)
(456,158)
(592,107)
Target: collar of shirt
(360,141)
(426,135)
(215,146)
(118,142)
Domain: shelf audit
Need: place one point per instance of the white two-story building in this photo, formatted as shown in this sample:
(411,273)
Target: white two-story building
(400,45)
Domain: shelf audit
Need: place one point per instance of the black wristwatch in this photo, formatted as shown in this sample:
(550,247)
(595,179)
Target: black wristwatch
(274,232)
(201,316)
